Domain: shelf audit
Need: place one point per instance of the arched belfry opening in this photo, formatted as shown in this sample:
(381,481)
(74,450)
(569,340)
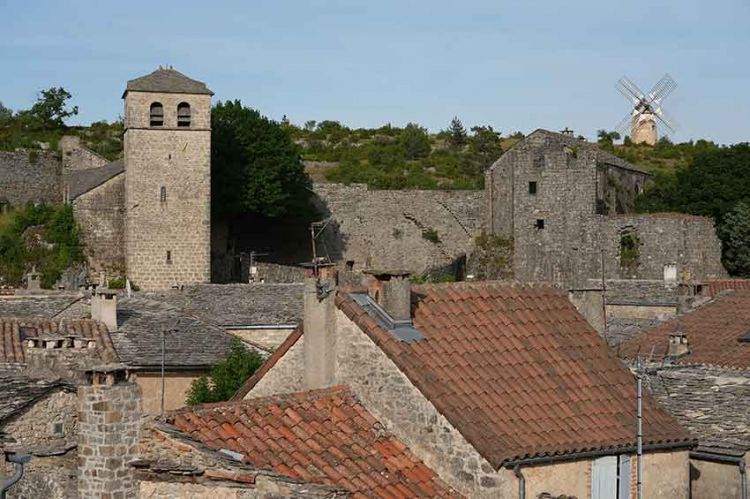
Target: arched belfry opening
(183,114)
(156,114)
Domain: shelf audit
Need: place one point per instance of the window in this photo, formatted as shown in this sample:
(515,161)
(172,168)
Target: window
(539,224)
(157,114)
(532,188)
(183,115)
(350,265)
(670,272)
(169,256)
(163,194)
(57,429)
(629,247)
(610,477)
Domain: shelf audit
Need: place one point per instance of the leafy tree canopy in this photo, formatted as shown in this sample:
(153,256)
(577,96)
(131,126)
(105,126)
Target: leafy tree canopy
(255,165)
(50,110)
(456,132)
(226,377)
(415,141)
(735,232)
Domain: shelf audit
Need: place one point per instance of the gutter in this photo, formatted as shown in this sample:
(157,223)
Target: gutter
(257,326)
(594,453)
(19,460)
(724,459)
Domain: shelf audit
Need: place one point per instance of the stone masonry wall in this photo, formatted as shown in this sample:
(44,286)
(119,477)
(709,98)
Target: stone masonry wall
(384,229)
(77,157)
(35,429)
(286,376)
(109,429)
(101,215)
(30,176)
(167,241)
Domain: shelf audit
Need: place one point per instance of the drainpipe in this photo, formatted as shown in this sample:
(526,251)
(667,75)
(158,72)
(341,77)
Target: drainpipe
(743,478)
(718,458)
(521,481)
(19,460)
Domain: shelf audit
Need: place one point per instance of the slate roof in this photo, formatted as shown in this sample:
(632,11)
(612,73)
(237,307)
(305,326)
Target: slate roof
(712,404)
(716,286)
(321,436)
(712,330)
(80,182)
(240,304)
(14,331)
(519,372)
(20,392)
(190,342)
(29,306)
(167,80)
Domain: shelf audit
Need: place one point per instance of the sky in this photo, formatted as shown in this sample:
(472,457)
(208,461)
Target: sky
(516,66)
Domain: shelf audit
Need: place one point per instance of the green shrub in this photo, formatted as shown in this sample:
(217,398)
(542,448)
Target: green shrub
(226,377)
(431,235)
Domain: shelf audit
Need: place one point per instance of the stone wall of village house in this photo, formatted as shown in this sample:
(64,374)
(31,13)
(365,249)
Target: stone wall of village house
(167,239)
(77,157)
(286,376)
(268,339)
(100,213)
(34,430)
(264,488)
(384,229)
(665,475)
(176,388)
(52,477)
(710,480)
(34,176)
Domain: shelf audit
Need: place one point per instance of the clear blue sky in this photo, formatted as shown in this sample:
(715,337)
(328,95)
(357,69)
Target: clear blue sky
(514,65)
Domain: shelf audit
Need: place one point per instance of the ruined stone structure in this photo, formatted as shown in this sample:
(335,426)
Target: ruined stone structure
(167,180)
(424,231)
(29,176)
(569,208)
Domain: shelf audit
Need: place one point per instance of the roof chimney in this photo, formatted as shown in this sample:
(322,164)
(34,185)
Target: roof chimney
(104,308)
(678,344)
(319,325)
(391,289)
(34,280)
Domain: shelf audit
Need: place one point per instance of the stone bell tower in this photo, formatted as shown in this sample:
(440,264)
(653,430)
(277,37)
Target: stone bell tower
(167,180)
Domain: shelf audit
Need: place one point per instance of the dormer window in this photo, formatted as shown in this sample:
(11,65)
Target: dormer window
(183,115)
(157,114)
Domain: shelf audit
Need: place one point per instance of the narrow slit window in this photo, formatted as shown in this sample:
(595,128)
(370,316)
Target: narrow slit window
(532,188)
(157,114)
(183,115)
(169,256)
(539,224)
(163,194)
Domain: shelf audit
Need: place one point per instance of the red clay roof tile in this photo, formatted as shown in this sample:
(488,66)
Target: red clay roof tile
(346,448)
(518,372)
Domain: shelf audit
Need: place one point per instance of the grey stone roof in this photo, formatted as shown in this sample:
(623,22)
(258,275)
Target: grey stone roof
(712,404)
(229,305)
(32,306)
(20,391)
(82,181)
(167,81)
(190,342)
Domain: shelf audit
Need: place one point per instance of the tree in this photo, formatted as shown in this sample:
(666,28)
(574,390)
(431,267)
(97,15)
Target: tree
(415,142)
(255,165)
(735,232)
(485,145)
(226,377)
(5,114)
(456,133)
(50,110)
(607,139)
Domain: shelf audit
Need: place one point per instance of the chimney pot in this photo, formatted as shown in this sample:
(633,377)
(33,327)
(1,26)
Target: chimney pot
(391,289)
(678,344)
(104,308)
(319,325)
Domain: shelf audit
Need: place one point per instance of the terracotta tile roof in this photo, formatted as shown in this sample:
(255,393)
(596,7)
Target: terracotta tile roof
(13,332)
(519,372)
(716,286)
(271,361)
(712,332)
(320,436)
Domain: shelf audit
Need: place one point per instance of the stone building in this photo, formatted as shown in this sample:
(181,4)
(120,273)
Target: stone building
(498,388)
(698,367)
(568,206)
(29,176)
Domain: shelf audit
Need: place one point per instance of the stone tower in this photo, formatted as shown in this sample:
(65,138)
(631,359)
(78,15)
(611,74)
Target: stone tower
(167,180)
(643,129)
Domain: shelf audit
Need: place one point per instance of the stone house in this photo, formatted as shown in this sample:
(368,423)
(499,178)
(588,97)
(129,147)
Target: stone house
(698,367)
(569,208)
(501,389)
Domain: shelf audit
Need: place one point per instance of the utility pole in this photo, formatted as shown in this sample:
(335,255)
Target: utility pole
(639,429)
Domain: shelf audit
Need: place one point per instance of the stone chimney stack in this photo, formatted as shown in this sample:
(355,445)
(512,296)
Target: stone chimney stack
(104,308)
(109,414)
(59,356)
(320,325)
(391,289)
(678,344)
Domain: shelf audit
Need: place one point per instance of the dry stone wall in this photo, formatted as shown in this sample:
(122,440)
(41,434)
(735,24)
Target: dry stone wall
(421,231)
(26,176)
(77,157)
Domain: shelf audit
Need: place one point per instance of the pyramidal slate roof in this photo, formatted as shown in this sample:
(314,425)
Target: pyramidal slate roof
(167,80)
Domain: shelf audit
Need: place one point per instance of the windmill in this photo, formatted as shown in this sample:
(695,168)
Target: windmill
(647,109)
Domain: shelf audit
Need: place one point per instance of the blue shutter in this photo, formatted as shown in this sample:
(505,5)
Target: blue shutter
(624,484)
(604,478)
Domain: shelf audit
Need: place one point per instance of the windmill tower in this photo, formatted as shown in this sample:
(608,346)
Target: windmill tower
(647,109)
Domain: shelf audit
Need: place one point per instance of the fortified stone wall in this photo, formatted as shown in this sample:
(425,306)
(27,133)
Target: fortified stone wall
(421,231)
(167,231)
(100,213)
(77,157)
(34,176)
